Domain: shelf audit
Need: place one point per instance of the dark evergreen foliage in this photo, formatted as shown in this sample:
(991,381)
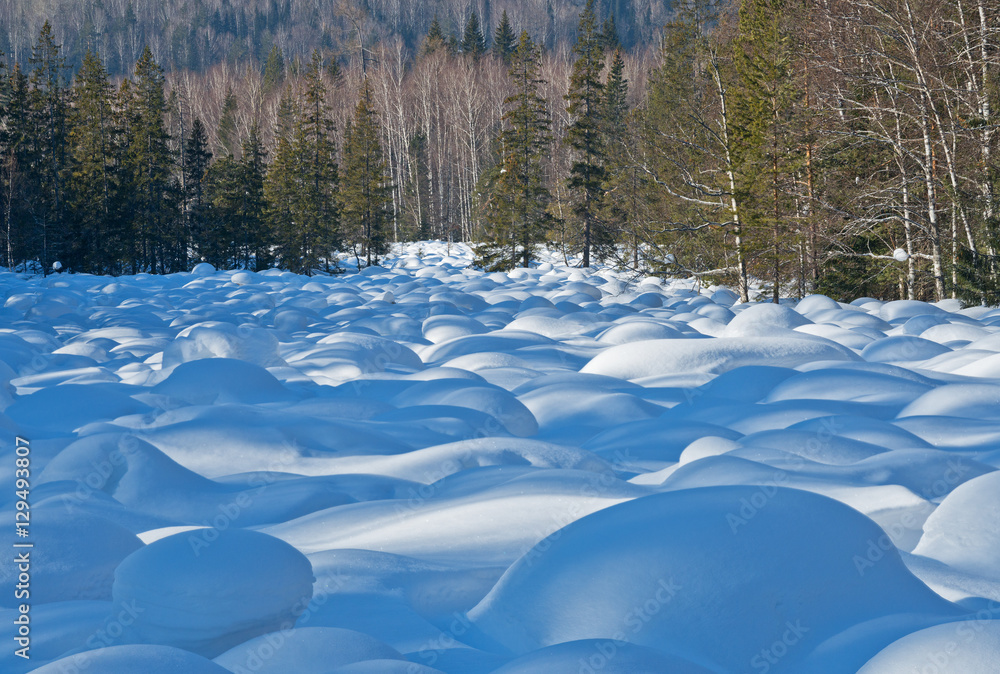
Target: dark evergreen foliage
(514,195)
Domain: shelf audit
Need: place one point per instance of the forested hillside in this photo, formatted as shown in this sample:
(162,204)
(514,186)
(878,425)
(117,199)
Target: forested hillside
(197,34)
(834,146)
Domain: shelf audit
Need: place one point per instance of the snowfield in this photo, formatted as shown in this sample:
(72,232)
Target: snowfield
(422,468)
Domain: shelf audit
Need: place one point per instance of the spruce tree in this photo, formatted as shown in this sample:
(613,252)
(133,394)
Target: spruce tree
(609,34)
(48,114)
(251,234)
(766,106)
(687,134)
(621,181)
(367,198)
(227,124)
(281,198)
(435,39)
(96,242)
(504,40)
(615,102)
(124,123)
(514,196)
(585,133)
(274,70)
(320,211)
(237,214)
(303,181)
(473,41)
(18,188)
(196,160)
(160,245)
(217,244)
(285,118)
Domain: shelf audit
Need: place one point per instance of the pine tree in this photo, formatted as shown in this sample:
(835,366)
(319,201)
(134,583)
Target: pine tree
(303,181)
(281,196)
(688,152)
(196,160)
(223,189)
(227,124)
(766,102)
(16,158)
(160,241)
(514,196)
(49,110)
(615,104)
(96,239)
(367,197)
(285,118)
(473,41)
(274,70)
(124,122)
(609,34)
(622,182)
(435,39)
(585,134)
(504,40)
(253,243)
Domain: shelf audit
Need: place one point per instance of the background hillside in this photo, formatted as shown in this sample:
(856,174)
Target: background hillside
(197,34)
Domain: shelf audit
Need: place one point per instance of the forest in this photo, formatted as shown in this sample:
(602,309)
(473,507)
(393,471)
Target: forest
(784,148)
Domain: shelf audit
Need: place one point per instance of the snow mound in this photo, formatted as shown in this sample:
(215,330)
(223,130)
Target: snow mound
(223,340)
(600,655)
(902,348)
(712,356)
(305,649)
(385,667)
(208,590)
(759,316)
(956,648)
(843,384)
(964,531)
(148,482)
(667,565)
(212,381)
(74,558)
(133,659)
(816,304)
(969,401)
(904,309)
(67,407)
(638,331)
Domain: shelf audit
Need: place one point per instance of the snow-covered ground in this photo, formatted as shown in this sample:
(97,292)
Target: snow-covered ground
(424,468)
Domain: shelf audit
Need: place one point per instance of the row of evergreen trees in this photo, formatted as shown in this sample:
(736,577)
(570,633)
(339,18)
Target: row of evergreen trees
(91,177)
(834,146)
(515,193)
(826,146)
